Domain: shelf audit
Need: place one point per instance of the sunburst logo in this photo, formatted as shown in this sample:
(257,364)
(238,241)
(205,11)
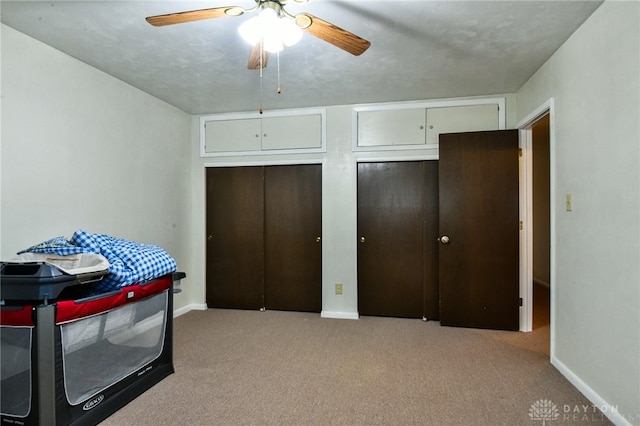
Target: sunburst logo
(545,410)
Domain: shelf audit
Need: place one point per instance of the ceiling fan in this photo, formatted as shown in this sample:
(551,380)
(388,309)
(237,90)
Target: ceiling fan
(317,27)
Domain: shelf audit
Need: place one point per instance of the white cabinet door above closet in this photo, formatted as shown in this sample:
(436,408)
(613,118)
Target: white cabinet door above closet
(274,132)
(292,132)
(232,135)
(418,125)
(391,127)
(459,119)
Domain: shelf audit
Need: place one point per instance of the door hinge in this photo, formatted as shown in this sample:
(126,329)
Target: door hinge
(521,301)
(519,152)
(521,225)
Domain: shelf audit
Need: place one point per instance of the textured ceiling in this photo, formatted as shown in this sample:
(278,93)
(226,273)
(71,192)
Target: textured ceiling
(419,49)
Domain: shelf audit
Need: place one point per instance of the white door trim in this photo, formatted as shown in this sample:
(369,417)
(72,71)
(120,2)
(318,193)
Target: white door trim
(526,242)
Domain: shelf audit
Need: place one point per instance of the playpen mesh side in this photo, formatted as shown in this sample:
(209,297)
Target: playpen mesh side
(101,350)
(15,360)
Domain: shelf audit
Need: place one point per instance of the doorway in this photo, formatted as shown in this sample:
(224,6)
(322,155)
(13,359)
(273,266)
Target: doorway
(538,235)
(541,222)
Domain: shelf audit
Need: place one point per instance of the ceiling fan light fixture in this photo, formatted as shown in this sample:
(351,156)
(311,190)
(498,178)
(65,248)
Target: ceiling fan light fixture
(272,30)
(272,44)
(251,30)
(290,32)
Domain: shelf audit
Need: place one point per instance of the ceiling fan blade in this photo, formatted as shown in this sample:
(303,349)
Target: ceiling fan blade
(254,57)
(194,15)
(332,34)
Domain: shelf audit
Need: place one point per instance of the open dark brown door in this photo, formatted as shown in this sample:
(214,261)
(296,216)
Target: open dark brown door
(479,227)
(235,238)
(393,271)
(293,246)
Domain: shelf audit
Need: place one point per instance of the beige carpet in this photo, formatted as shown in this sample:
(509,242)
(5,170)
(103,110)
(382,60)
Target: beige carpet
(289,368)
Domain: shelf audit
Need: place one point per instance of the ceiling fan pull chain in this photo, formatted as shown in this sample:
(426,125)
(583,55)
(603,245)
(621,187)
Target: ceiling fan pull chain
(261,56)
(278,58)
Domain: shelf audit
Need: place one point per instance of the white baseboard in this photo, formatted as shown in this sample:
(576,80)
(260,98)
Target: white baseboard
(191,307)
(339,315)
(323,314)
(609,410)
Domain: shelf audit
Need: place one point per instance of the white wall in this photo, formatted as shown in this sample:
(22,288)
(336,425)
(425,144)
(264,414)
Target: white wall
(81,149)
(594,81)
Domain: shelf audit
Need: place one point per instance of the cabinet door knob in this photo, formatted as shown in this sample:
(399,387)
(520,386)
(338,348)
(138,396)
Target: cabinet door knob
(209,237)
(444,239)
(362,239)
(318,239)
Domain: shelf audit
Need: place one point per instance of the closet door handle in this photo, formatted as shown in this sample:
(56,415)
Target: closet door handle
(362,239)
(444,239)
(318,239)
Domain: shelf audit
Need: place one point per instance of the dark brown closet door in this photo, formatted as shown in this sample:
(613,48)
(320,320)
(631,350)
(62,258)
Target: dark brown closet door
(293,245)
(391,231)
(479,259)
(235,237)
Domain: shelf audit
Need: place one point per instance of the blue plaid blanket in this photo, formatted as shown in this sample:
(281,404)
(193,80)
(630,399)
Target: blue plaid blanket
(129,262)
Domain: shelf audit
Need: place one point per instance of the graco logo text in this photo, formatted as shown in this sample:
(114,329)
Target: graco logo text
(92,402)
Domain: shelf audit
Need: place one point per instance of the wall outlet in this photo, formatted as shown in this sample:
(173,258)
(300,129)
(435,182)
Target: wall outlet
(338,288)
